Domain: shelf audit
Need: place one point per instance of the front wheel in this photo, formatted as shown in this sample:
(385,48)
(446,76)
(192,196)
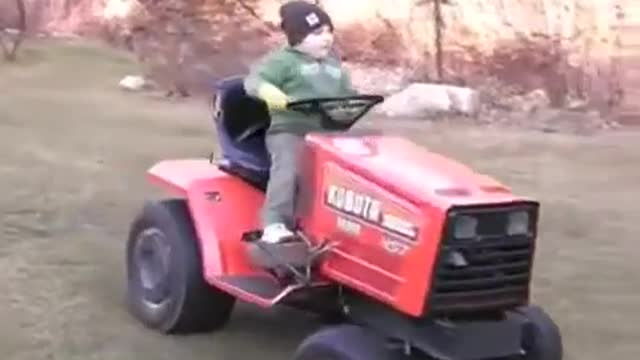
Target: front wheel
(541,338)
(343,342)
(166,289)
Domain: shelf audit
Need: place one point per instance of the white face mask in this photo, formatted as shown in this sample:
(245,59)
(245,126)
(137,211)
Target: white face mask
(317,44)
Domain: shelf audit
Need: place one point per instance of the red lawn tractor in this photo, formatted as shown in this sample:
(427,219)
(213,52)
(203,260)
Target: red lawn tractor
(405,253)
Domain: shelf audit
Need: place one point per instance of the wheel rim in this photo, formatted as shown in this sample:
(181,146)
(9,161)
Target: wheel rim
(152,264)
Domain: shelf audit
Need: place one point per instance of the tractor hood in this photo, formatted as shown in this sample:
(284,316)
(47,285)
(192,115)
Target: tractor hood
(411,171)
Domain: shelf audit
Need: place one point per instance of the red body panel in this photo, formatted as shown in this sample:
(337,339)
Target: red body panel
(412,184)
(359,191)
(411,171)
(223,207)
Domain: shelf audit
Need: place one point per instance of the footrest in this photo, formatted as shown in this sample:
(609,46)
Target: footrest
(270,256)
(262,290)
(264,287)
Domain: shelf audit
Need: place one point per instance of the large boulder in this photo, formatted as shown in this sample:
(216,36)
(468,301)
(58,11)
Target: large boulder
(420,99)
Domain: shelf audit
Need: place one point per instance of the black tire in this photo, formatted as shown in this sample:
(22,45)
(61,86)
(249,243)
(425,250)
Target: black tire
(343,342)
(542,338)
(166,289)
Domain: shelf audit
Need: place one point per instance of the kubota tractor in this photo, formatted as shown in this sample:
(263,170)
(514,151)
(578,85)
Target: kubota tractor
(405,253)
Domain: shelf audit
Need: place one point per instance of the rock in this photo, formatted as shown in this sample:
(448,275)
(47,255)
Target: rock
(464,100)
(420,99)
(531,102)
(417,100)
(376,80)
(134,83)
(119,9)
(12,31)
(535,100)
(577,104)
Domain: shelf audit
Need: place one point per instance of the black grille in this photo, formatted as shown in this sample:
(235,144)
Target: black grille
(495,271)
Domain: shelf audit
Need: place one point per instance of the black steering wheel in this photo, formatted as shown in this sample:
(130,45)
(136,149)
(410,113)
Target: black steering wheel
(338,113)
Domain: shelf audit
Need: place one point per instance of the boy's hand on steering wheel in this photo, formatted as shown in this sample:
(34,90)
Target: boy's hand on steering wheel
(273,96)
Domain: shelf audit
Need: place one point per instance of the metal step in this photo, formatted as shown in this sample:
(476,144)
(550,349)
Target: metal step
(262,289)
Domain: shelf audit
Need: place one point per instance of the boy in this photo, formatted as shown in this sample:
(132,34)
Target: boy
(303,69)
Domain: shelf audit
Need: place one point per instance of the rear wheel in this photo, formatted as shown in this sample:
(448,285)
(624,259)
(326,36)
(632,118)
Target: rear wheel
(343,342)
(542,339)
(166,289)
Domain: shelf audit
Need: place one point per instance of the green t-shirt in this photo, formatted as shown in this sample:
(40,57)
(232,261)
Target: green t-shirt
(300,77)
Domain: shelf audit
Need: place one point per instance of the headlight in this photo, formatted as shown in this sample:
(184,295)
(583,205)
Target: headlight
(465,227)
(518,223)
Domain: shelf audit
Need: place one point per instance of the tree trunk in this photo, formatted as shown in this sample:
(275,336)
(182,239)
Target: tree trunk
(438,23)
(10,42)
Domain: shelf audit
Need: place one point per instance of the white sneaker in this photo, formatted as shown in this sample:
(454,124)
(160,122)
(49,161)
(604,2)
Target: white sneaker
(276,233)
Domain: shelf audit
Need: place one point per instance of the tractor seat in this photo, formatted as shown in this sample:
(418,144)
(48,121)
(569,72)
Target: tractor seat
(241,122)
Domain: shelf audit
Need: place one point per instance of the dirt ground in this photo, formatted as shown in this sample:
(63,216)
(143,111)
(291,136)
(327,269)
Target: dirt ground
(74,150)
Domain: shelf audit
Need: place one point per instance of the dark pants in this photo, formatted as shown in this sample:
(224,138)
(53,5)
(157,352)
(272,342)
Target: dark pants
(285,150)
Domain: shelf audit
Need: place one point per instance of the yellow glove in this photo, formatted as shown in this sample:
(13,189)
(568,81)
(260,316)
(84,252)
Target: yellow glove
(274,97)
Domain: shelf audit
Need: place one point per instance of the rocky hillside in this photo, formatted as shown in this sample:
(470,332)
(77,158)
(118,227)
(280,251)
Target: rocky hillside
(561,46)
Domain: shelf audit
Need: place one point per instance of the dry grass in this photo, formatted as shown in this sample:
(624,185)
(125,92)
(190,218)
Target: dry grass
(74,150)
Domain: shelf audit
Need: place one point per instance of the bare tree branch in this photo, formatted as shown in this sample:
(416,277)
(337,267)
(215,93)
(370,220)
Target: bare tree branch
(248,8)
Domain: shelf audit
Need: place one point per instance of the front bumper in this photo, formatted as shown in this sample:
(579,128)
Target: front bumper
(469,341)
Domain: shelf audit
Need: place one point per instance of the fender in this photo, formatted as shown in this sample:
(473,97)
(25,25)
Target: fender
(222,208)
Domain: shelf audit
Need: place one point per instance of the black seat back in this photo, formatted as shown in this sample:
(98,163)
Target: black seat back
(241,122)
(244,115)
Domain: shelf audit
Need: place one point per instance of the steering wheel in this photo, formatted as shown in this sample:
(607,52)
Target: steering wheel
(339,113)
